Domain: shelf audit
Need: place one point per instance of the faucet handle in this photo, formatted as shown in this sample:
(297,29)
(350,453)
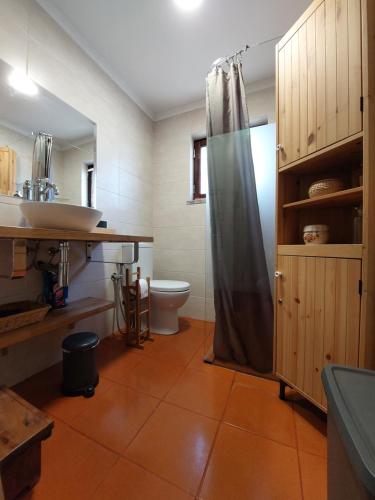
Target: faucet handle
(55,189)
(50,185)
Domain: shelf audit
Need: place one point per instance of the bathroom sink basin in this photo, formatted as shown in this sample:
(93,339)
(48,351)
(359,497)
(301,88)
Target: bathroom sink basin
(45,215)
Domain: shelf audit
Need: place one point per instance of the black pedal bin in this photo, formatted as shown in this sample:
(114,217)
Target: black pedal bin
(80,375)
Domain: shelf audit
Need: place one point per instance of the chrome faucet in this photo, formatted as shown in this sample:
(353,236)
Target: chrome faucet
(39,188)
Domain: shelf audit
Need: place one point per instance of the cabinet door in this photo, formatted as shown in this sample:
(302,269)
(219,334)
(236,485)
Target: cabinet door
(7,171)
(319,81)
(318,318)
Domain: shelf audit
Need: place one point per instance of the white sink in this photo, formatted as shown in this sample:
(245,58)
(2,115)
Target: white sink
(52,215)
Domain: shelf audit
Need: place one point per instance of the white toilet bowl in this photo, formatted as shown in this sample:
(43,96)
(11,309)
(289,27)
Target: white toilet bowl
(166,298)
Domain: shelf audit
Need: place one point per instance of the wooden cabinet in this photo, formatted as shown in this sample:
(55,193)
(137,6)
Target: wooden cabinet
(325,296)
(7,171)
(319,79)
(318,318)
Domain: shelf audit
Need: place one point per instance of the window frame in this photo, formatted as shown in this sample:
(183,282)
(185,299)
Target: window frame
(197,146)
(90,168)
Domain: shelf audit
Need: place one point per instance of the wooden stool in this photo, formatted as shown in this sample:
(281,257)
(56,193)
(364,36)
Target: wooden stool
(22,429)
(135,309)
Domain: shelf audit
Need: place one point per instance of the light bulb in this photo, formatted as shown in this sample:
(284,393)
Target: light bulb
(21,82)
(188,4)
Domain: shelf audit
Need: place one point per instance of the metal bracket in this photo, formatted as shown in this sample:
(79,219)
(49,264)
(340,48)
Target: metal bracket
(90,259)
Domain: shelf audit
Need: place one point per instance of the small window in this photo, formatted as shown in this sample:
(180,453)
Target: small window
(200,174)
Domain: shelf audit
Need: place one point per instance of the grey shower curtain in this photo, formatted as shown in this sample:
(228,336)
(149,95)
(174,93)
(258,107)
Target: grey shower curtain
(41,165)
(242,295)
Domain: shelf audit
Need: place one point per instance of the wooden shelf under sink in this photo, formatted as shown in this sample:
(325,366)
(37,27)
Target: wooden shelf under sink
(56,319)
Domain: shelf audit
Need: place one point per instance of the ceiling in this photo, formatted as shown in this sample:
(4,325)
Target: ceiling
(160,54)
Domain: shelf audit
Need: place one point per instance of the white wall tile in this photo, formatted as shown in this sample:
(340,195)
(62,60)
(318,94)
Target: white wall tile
(191,261)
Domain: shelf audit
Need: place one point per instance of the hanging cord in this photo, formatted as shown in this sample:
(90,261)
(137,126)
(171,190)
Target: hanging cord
(119,309)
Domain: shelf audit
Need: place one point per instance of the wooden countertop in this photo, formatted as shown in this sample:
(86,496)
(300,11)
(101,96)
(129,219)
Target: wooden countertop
(29,233)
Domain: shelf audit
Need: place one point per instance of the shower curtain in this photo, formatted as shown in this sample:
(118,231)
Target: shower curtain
(41,165)
(242,294)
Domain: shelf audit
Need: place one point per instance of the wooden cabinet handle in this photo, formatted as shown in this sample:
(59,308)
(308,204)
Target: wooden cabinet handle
(279,147)
(328,357)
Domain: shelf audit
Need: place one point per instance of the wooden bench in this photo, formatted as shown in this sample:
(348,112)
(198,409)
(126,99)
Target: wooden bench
(22,429)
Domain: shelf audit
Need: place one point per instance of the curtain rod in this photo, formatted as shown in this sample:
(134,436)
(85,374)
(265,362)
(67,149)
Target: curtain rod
(222,60)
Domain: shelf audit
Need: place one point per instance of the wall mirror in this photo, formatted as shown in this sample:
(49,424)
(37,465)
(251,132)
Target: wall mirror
(26,115)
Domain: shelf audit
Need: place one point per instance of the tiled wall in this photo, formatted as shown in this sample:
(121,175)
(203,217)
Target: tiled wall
(179,228)
(124,147)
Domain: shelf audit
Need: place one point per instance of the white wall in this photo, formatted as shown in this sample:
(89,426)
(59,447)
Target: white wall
(179,228)
(124,147)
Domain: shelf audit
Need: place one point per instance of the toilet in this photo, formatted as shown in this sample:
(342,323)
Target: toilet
(167,296)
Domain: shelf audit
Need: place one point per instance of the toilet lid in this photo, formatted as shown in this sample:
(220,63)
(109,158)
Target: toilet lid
(169,286)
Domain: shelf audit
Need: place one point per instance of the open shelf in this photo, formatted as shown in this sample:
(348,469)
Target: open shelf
(340,251)
(346,197)
(345,152)
(56,319)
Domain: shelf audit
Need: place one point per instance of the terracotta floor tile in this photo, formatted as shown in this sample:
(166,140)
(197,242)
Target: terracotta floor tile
(244,466)
(171,440)
(189,336)
(44,391)
(127,480)
(210,327)
(187,323)
(261,412)
(198,359)
(115,361)
(314,476)
(260,382)
(311,429)
(201,391)
(179,350)
(153,376)
(150,346)
(72,466)
(175,444)
(115,417)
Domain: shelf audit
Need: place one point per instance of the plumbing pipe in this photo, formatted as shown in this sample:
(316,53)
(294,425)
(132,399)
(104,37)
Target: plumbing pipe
(64,264)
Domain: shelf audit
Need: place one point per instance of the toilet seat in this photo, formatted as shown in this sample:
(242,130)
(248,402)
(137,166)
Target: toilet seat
(169,286)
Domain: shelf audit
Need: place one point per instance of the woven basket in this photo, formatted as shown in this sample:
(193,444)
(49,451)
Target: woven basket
(19,314)
(325,186)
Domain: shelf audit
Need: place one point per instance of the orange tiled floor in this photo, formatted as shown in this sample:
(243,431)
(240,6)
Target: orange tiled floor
(163,425)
